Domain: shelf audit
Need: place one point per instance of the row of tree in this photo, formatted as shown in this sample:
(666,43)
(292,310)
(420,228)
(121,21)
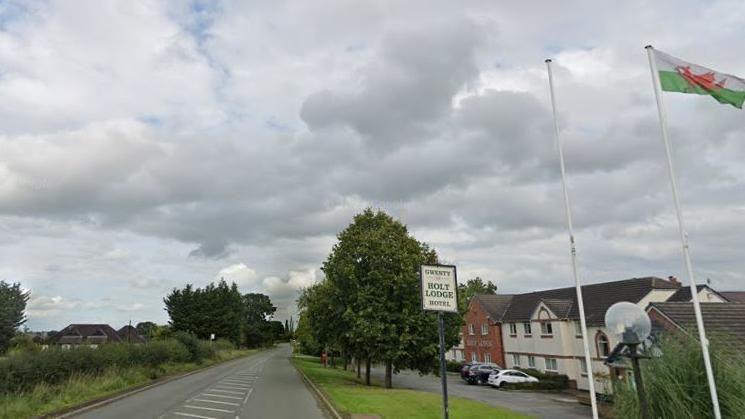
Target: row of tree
(368,306)
(220,309)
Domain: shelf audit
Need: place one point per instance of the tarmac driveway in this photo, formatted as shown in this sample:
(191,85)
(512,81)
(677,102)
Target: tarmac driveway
(537,404)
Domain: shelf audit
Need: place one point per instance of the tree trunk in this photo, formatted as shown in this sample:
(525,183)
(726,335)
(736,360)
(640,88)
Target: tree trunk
(346,363)
(359,368)
(388,374)
(367,371)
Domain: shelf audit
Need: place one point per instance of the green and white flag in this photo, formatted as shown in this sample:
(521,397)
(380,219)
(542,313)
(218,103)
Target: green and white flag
(677,75)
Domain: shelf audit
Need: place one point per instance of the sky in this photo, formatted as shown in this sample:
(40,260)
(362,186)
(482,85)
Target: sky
(147,145)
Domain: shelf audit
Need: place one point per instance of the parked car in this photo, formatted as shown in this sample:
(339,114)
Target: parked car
(500,378)
(479,374)
(464,368)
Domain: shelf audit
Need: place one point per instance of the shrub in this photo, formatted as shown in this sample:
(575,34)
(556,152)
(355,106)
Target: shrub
(675,382)
(454,366)
(198,350)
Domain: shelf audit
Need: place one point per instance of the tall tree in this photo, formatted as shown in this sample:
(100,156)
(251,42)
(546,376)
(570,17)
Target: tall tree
(373,275)
(472,287)
(257,311)
(13,301)
(145,329)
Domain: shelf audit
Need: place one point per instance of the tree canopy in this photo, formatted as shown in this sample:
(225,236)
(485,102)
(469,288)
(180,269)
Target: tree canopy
(13,301)
(472,287)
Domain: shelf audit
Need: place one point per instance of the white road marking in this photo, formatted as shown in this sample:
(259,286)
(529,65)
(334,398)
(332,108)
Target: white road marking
(220,395)
(234,386)
(193,416)
(216,402)
(247,396)
(214,409)
(227,391)
(237,381)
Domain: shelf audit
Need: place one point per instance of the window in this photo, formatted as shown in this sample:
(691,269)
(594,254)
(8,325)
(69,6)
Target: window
(526,328)
(547,329)
(487,357)
(516,360)
(551,365)
(470,329)
(531,361)
(484,329)
(603,345)
(513,329)
(583,366)
(474,357)
(577,328)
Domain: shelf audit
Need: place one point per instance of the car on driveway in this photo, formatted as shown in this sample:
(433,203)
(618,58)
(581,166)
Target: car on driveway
(479,374)
(503,377)
(464,368)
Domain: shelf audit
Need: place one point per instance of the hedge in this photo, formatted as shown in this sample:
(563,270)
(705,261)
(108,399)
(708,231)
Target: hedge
(546,381)
(23,371)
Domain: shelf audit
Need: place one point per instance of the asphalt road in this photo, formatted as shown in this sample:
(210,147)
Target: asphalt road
(264,385)
(536,404)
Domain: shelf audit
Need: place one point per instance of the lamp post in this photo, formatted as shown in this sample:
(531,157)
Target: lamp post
(631,325)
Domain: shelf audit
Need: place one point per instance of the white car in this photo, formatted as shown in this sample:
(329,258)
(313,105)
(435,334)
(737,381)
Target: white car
(500,378)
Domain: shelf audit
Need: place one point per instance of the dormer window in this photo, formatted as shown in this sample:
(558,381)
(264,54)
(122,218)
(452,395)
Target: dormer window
(603,345)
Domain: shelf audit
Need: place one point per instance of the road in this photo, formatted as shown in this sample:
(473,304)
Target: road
(536,404)
(264,385)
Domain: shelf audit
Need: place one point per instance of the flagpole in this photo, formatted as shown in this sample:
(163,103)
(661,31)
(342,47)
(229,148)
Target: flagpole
(683,233)
(570,227)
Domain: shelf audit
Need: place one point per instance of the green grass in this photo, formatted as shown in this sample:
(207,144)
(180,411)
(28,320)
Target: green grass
(349,395)
(44,399)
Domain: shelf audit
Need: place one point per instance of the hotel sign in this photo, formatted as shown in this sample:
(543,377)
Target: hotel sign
(439,288)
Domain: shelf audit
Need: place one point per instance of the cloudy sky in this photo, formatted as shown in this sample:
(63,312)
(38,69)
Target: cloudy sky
(146,145)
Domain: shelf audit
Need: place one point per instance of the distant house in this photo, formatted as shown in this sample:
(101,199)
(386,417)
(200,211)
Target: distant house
(705,295)
(85,334)
(130,335)
(724,320)
(734,296)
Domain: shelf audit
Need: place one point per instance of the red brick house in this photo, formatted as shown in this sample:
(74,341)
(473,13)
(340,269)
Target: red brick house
(482,332)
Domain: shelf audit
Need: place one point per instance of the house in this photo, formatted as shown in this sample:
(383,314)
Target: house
(734,296)
(541,330)
(130,335)
(705,294)
(456,352)
(725,320)
(85,334)
(482,331)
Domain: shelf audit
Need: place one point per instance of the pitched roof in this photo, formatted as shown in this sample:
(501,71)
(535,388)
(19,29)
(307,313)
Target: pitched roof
(597,298)
(494,304)
(726,319)
(734,296)
(93,332)
(684,293)
(129,334)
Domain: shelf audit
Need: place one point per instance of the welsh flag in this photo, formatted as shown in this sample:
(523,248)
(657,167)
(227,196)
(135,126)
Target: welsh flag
(677,75)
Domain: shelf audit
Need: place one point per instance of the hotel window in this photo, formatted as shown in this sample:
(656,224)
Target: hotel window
(470,329)
(577,329)
(547,329)
(527,329)
(583,367)
(513,329)
(531,361)
(603,344)
(487,358)
(516,360)
(474,357)
(484,329)
(551,365)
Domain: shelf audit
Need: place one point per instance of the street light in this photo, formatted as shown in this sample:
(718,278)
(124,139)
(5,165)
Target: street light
(631,326)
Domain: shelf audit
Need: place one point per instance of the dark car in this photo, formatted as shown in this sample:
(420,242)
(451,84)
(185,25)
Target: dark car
(465,367)
(479,374)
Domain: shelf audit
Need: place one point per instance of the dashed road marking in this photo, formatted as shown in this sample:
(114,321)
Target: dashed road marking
(189,415)
(247,396)
(216,402)
(221,396)
(227,391)
(214,409)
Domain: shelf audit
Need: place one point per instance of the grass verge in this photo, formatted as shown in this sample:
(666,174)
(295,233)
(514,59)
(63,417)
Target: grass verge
(349,395)
(79,389)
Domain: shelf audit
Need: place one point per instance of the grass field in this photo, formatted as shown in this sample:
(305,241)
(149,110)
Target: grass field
(79,389)
(350,395)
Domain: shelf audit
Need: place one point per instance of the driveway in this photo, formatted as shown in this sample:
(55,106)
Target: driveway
(537,404)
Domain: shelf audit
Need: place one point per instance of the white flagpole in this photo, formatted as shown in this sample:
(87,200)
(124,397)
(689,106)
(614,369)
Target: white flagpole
(570,227)
(683,233)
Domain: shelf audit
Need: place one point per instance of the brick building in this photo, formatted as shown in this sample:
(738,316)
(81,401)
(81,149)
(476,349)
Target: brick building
(482,332)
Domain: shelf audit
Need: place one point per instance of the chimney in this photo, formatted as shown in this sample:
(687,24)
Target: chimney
(674,280)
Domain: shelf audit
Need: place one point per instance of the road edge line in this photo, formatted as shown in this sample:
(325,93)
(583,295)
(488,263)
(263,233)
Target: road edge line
(71,411)
(319,394)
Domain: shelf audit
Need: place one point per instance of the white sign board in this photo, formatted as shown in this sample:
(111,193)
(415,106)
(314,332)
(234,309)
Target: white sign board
(212,336)
(439,288)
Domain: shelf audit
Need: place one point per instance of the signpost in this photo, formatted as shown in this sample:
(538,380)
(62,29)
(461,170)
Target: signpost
(440,294)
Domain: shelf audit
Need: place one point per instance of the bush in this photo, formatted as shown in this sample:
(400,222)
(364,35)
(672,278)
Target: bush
(198,349)
(676,385)
(546,381)
(454,366)
(23,371)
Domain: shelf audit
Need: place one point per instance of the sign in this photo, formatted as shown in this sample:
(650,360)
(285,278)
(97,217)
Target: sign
(212,336)
(439,288)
